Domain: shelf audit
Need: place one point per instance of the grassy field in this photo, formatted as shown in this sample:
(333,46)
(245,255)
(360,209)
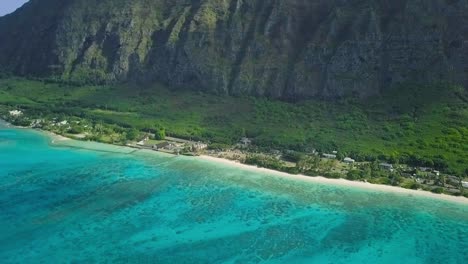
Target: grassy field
(412,124)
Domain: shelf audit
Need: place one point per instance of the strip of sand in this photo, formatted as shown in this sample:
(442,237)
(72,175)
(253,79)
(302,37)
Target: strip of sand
(340,182)
(56,137)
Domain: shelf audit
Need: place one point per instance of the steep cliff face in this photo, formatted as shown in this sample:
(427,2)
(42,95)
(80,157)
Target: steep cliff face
(290,49)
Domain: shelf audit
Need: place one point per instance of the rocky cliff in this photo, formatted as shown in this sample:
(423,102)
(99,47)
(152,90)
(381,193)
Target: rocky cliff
(278,48)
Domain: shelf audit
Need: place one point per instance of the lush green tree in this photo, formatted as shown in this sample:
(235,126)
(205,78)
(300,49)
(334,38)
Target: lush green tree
(415,186)
(99,128)
(21,122)
(393,157)
(160,133)
(243,132)
(76,129)
(218,146)
(353,175)
(132,134)
(308,163)
(293,156)
(441,180)
(264,162)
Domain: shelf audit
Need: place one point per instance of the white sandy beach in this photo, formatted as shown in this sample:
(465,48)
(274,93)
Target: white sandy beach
(56,137)
(340,182)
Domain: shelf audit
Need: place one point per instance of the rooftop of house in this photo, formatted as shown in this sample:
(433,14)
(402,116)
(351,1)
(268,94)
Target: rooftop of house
(163,144)
(15,113)
(245,140)
(386,165)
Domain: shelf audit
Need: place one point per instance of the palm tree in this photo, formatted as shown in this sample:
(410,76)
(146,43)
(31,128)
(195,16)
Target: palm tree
(441,180)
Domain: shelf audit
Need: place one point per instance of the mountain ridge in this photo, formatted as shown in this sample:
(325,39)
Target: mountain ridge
(281,49)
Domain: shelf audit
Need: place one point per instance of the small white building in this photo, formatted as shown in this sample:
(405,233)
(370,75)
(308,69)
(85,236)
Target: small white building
(386,166)
(464,184)
(63,123)
(199,146)
(349,160)
(37,123)
(16,113)
(329,156)
(245,141)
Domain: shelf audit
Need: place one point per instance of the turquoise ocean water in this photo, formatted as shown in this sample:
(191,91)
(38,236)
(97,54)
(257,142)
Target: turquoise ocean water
(63,204)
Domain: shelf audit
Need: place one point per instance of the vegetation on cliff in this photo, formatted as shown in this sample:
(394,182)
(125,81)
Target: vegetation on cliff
(412,125)
(291,49)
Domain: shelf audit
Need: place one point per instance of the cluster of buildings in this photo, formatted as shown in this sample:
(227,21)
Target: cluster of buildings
(15,113)
(334,155)
(173,145)
(38,123)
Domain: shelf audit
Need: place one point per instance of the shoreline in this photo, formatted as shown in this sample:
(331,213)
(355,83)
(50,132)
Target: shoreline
(338,182)
(55,137)
(298,177)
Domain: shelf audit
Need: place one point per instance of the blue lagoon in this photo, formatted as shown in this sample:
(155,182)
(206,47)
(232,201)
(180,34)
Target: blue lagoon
(86,202)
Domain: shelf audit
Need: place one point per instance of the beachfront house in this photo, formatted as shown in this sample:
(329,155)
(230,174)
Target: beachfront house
(386,166)
(464,184)
(329,156)
(37,123)
(244,142)
(198,146)
(161,145)
(349,160)
(425,169)
(165,146)
(16,113)
(452,180)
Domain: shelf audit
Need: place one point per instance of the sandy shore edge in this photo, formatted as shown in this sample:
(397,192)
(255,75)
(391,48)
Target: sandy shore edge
(322,180)
(55,138)
(338,182)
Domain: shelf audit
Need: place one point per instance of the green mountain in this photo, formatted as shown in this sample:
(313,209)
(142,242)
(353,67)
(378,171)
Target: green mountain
(377,80)
(282,49)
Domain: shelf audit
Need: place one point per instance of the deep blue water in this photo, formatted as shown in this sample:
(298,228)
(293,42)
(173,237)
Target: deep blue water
(70,205)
